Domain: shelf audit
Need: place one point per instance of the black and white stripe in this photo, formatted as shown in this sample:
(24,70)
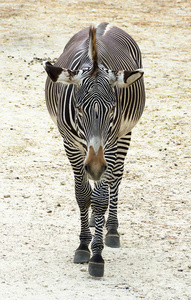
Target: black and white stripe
(102,99)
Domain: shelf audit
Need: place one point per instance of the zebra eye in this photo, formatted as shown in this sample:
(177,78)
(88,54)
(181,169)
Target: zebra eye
(90,89)
(112,109)
(80,110)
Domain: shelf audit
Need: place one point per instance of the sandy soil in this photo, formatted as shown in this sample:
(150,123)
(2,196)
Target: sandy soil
(39,218)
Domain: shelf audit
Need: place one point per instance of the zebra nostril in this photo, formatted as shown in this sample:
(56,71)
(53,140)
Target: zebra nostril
(104,168)
(86,167)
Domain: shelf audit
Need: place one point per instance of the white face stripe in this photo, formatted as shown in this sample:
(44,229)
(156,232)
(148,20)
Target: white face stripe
(95,142)
(96,107)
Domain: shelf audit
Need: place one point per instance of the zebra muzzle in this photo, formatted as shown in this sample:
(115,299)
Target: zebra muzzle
(95,164)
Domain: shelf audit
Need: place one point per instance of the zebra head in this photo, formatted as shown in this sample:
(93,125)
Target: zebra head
(95,105)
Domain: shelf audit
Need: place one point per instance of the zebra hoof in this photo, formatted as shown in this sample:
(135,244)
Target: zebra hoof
(96,266)
(82,255)
(112,239)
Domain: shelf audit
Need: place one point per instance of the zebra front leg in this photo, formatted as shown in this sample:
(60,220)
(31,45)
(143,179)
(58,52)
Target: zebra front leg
(99,203)
(83,193)
(112,238)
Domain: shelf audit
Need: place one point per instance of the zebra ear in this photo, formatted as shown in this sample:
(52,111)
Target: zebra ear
(58,74)
(126,78)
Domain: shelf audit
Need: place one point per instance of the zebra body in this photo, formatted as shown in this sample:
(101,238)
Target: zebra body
(95,94)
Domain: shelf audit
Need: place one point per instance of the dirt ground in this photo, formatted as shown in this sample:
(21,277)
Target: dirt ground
(39,218)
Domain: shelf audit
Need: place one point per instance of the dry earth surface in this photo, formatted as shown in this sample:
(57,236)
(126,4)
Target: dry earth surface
(39,218)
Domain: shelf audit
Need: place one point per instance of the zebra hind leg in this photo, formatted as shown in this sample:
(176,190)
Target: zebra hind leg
(92,220)
(112,238)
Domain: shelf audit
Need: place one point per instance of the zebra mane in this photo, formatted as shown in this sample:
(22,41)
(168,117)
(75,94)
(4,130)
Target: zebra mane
(93,54)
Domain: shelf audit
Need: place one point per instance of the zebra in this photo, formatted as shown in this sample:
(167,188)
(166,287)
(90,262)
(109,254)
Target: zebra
(95,94)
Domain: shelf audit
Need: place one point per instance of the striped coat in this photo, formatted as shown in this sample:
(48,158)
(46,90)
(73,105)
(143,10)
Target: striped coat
(95,94)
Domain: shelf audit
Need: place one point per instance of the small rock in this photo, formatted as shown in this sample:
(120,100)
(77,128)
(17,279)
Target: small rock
(83,269)
(26,196)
